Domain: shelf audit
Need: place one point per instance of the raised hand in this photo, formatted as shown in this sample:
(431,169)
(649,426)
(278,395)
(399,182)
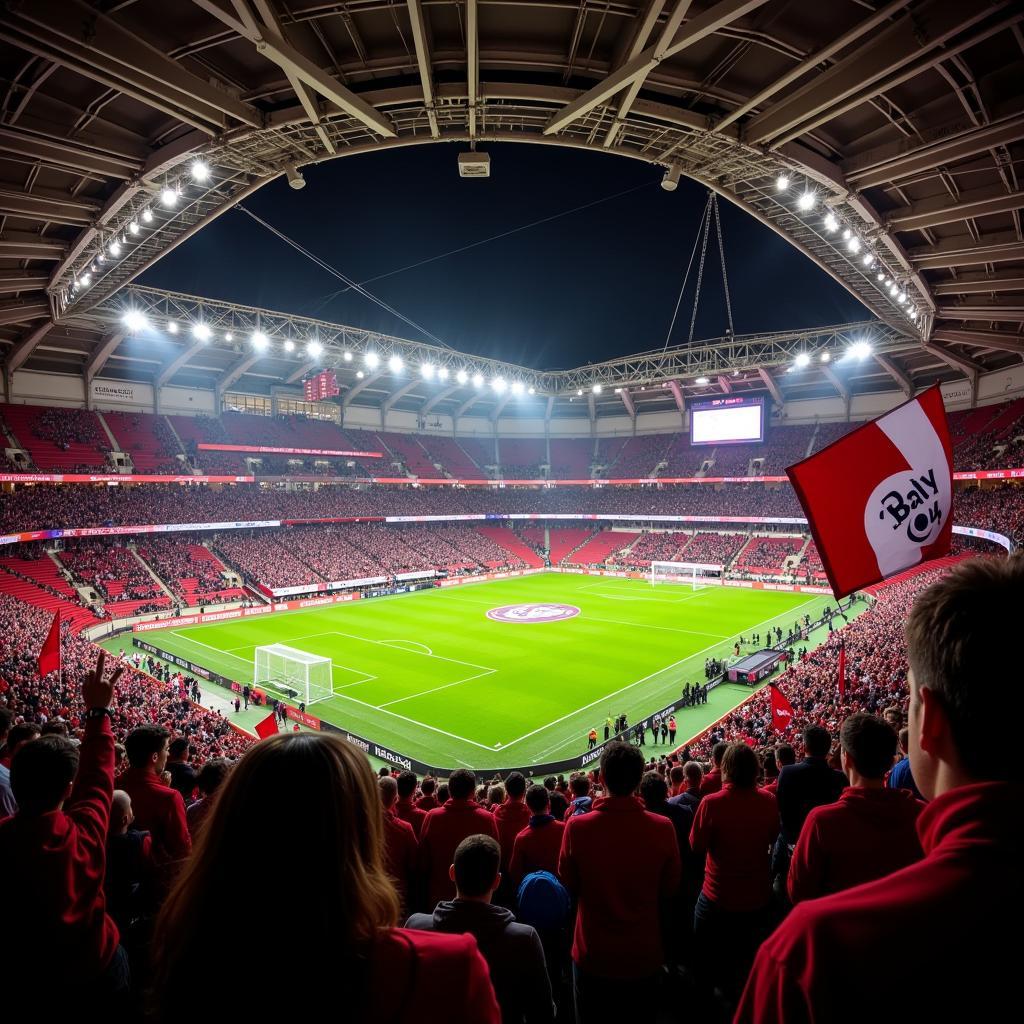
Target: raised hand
(98,692)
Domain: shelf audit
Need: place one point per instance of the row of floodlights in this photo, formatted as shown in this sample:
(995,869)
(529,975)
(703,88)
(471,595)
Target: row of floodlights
(114,246)
(807,200)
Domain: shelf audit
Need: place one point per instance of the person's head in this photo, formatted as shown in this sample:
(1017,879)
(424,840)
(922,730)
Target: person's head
(212,775)
(784,755)
(496,795)
(549,783)
(383,772)
(428,786)
(322,797)
(388,791)
(42,774)
(538,800)
(717,753)
(118,756)
(694,774)
(515,786)
(461,784)
(622,767)
(957,633)
(677,776)
(55,727)
(580,785)
(653,790)
(905,741)
(121,815)
(406,783)
(740,766)
(476,868)
(442,792)
(147,748)
(20,734)
(6,721)
(178,749)
(893,716)
(868,747)
(770,765)
(817,741)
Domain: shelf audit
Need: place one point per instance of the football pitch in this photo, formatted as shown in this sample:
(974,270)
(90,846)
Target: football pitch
(431,675)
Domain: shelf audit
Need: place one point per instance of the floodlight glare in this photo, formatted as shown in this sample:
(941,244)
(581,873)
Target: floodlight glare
(360,374)
(201,332)
(315,350)
(147,215)
(782,183)
(395,364)
(802,359)
(596,389)
(462,377)
(853,244)
(289,345)
(347,356)
(169,198)
(826,357)
(831,224)
(260,341)
(806,201)
(517,387)
(372,360)
(200,170)
(134,320)
(134,227)
(427,369)
(860,349)
(442,373)
(499,384)
(531,391)
(228,336)
(478,380)
(703,381)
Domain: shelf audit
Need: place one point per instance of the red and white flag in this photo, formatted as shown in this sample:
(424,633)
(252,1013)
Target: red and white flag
(267,727)
(782,710)
(842,669)
(879,499)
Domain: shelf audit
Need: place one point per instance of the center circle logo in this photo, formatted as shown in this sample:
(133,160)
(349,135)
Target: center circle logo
(533,612)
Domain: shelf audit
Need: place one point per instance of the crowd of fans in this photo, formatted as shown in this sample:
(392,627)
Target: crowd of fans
(67,427)
(804,873)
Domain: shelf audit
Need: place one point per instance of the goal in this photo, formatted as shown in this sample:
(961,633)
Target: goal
(693,574)
(295,674)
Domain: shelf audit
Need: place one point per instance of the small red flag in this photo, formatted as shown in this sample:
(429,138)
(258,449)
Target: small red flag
(879,499)
(49,653)
(842,669)
(267,727)
(782,710)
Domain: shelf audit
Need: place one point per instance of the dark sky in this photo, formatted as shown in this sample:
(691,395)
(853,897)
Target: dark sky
(599,283)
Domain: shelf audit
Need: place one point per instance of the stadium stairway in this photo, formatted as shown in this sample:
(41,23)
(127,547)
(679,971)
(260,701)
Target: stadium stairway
(504,537)
(566,540)
(152,572)
(599,548)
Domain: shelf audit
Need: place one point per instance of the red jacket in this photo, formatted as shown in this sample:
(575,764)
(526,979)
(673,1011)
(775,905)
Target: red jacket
(511,817)
(160,811)
(620,862)
(400,854)
(736,828)
(934,941)
(867,834)
(443,830)
(427,803)
(408,811)
(536,849)
(419,977)
(59,931)
(712,782)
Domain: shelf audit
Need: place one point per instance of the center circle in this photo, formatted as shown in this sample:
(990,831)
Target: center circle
(533,612)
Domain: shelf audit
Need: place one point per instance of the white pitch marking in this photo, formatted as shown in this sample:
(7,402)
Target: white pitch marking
(435,689)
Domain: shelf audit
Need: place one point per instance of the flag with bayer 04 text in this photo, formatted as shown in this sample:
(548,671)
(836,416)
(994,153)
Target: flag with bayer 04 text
(879,500)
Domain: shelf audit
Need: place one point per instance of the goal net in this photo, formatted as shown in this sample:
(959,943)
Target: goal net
(298,675)
(693,574)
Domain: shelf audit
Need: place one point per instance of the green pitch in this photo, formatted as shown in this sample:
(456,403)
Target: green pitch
(430,675)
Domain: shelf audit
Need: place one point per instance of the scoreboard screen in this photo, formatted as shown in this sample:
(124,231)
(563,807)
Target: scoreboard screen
(323,385)
(728,420)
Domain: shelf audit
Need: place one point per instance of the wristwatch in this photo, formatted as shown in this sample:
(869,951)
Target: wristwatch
(98,713)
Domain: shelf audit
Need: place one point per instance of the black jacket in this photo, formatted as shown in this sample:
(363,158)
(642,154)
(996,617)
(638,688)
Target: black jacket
(513,953)
(802,787)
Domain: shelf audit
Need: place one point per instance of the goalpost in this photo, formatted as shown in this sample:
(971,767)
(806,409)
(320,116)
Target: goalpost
(697,575)
(297,674)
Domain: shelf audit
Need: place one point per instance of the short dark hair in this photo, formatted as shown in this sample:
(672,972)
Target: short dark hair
(428,785)
(677,775)
(956,635)
(538,799)
(870,743)
(461,784)
(178,747)
(718,752)
(442,792)
(143,742)
(740,766)
(41,772)
(515,784)
(784,754)
(817,741)
(550,782)
(212,774)
(693,771)
(653,788)
(580,785)
(406,782)
(477,860)
(55,727)
(22,733)
(388,789)
(622,767)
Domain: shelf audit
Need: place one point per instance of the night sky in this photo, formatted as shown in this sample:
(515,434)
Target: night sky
(596,284)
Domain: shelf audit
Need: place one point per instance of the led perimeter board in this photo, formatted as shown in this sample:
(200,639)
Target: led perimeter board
(729,420)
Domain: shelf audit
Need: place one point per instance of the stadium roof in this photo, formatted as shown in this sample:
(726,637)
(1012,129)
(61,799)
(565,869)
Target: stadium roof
(900,123)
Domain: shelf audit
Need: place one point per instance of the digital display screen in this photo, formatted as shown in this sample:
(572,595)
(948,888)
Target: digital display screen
(727,421)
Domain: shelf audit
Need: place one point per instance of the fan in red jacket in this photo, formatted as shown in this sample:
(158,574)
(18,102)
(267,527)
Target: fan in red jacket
(511,816)
(934,941)
(61,942)
(442,832)
(406,808)
(869,832)
(712,781)
(537,847)
(399,842)
(622,865)
(158,808)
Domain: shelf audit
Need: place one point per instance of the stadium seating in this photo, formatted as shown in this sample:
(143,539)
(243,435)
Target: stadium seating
(571,458)
(36,581)
(601,547)
(521,458)
(766,555)
(59,440)
(148,439)
(507,540)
